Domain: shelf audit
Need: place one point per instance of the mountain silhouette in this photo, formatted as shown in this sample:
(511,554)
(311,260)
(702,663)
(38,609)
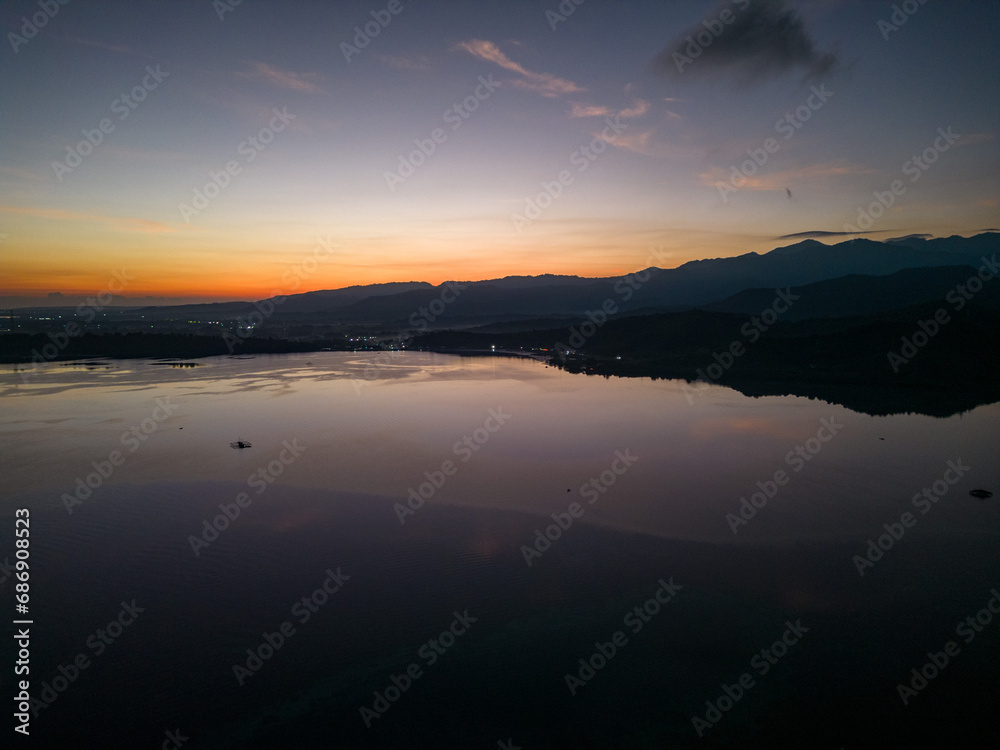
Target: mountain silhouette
(694,284)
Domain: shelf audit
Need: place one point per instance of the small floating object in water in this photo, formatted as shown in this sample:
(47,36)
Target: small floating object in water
(981,494)
(240,444)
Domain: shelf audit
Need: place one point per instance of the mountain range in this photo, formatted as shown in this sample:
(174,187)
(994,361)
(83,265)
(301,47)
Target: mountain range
(856,323)
(872,276)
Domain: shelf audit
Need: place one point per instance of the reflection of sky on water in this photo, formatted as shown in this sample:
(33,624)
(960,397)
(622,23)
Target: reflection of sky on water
(376,430)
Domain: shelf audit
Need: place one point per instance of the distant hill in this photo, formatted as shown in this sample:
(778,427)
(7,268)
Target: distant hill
(527,282)
(712,284)
(338,299)
(692,284)
(986,243)
(856,303)
(318,301)
(705,281)
(842,360)
(862,295)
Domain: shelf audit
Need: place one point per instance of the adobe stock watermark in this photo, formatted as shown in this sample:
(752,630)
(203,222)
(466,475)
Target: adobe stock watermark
(430,652)
(581,158)
(958,297)
(455,116)
(87,310)
(424,316)
(923,501)
(293,279)
(363,36)
(98,642)
(752,330)
(787,126)
(225,6)
(761,663)
(624,289)
(259,480)
(967,629)
(796,459)
(591,490)
(6,570)
(901,13)
(421,320)
(123,106)
(464,449)
(132,439)
(174,740)
(635,619)
(564,10)
(914,168)
(250,148)
(30,27)
(302,611)
(714,28)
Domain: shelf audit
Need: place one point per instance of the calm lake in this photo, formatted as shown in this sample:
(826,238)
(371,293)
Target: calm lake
(430,551)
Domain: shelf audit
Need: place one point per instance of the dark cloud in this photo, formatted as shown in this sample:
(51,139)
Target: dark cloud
(764,38)
(915,236)
(818,233)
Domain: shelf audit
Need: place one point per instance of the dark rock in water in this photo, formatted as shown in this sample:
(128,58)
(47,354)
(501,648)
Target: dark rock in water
(981,494)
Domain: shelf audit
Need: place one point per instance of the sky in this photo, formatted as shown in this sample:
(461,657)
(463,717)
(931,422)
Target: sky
(236,150)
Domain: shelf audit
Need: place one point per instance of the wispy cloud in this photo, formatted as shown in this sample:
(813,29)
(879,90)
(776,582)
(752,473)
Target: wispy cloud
(653,142)
(914,236)
(781,180)
(589,110)
(765,39)
(638,109)
(417,63)
(637,142)
(817,233)
(545,84)
(287,79)
(120,223)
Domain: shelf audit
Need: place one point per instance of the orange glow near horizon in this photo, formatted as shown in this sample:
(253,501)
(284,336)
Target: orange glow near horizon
(251,286)
(173,271)
(79,256)
(572,153)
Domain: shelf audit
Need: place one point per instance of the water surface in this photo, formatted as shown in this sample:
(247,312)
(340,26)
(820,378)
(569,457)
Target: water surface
(343,440)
